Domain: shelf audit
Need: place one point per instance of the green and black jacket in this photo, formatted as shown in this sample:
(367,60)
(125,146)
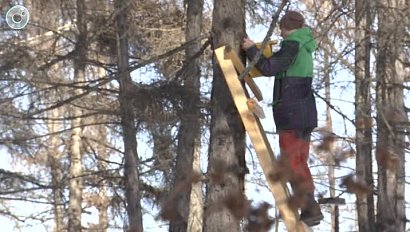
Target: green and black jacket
(294,105)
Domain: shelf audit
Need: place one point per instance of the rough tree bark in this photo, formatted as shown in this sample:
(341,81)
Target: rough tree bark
(227,141)
(131,161)
(334,209)
(104,200)
(363,117)
(101,135)
(54,157)
(189,134)
(390,116)
(196,205)
(76,169)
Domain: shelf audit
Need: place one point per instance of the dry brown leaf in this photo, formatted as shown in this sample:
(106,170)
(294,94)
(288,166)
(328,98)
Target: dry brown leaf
(259,220)
(392,114)
(277,176)
(195,177)
(344,155)
(169,210)
(281,171)
(184,185)
(296,202)
(327,142)
(354,186)
(364,123)
(386,159)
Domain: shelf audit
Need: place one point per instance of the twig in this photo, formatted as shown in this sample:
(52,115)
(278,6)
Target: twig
(135,66)
(344,116)
(190,60)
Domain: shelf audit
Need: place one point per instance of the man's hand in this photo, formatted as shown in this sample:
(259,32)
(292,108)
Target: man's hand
(247,43)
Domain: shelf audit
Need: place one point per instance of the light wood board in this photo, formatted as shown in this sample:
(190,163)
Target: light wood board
(229,54)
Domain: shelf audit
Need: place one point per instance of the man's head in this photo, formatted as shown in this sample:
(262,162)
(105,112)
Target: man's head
(290,21)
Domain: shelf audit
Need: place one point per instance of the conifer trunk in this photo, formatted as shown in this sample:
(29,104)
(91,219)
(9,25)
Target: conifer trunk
(103,201)
(76,156)
(189,135)
(227,141)
(131,161)
(54,157)
(363,118)
(390,117)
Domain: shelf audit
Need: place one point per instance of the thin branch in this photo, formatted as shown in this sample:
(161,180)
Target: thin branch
(70,99)
(9,140)
(135,66)
(29,179)
(13,192)
(26,200)
(191,59)
(344,116)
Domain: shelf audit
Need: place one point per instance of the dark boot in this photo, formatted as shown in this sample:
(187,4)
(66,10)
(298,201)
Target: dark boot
(311,214)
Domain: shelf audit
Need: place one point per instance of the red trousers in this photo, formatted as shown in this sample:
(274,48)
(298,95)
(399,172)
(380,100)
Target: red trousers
(294,148)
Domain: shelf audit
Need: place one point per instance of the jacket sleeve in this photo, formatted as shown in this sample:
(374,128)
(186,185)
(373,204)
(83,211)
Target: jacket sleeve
(279,61)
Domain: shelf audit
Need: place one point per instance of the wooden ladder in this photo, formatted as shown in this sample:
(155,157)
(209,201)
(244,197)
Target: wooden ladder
(231,65)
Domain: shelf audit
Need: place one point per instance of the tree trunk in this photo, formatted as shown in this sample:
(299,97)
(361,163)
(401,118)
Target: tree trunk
(390,117)
(101,135)
(103,201)
(189,135)
(363,119)
(196,205)
(226,165)
(54,157)
(334,210)
(76,169)
(131,161)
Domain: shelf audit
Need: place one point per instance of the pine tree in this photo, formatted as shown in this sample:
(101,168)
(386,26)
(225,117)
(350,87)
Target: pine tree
(363,117)
(189,134)
(131,159)
(226,162)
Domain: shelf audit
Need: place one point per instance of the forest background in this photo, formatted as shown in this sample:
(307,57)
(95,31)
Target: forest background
(115,116)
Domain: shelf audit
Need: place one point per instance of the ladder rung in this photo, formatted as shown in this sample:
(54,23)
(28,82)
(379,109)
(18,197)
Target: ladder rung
(255,108)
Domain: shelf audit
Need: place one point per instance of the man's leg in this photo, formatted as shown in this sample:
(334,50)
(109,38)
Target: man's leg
(295,152)
(311,213)
(304,145)
(294,145)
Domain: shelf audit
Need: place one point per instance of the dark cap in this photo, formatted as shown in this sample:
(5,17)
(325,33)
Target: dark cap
(292,20)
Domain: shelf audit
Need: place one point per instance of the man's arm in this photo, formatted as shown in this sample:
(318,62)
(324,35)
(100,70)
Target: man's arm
(278,62)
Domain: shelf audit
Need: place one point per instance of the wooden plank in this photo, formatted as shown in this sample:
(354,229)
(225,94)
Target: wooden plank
(260,142)
(229,54)
(248,79)
(239,65)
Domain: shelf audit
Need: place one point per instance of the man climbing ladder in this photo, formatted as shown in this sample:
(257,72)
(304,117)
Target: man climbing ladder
(294,107)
